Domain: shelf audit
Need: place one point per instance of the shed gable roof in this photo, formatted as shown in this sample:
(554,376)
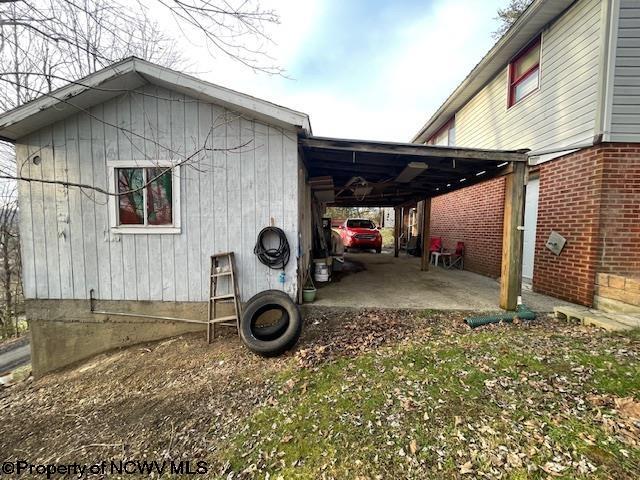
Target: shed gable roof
(130,74)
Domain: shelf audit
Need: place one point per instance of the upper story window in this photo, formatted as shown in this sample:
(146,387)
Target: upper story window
(524,73)
(147,200)
(446,136)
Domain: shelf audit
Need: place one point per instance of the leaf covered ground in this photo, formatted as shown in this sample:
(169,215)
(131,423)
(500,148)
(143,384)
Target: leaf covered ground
(365,394)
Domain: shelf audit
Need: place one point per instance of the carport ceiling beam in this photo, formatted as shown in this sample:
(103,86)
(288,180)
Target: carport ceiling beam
(442,164)
(414,149)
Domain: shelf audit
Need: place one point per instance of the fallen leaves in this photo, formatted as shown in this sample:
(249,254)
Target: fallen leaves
(375,394)
(466,468)
(554,468)
(350,333)
(628,407)
(619,417)
(413,447)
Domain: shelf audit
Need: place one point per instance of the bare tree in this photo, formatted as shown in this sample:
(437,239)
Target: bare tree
(507,16)
(45,44)
(95,33)
(10,263)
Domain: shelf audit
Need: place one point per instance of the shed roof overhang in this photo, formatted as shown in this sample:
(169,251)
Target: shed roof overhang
(383,174)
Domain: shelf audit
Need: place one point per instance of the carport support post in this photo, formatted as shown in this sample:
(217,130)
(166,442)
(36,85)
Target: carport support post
(397,219)
(512,237)
(425,234)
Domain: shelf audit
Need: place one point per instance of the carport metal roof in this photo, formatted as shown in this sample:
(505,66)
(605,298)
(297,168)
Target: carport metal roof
(386,174)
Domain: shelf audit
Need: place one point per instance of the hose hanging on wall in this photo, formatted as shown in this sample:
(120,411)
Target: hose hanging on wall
(272,257)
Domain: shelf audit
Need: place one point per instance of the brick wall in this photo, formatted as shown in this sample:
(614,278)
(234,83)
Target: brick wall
(591,197)
(472,215)
(620,211)
(569,203)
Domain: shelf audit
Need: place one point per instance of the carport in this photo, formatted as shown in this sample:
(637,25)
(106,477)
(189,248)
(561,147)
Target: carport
(354,173)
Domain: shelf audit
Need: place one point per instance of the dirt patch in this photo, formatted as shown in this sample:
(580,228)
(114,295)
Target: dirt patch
(178,398)
(164,399)
(346,332)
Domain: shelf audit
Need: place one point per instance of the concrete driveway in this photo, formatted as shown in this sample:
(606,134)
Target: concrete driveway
(381,280)
(15,355)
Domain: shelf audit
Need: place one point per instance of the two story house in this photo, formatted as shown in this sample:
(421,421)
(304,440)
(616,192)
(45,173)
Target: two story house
(563,82)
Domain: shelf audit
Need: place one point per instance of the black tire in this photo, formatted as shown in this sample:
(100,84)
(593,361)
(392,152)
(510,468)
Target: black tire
(378,250)
(255,307)
(271,332)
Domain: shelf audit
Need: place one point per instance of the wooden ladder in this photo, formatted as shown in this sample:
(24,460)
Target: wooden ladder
(218,270)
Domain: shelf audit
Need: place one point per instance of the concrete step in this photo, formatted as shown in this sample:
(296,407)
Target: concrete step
(631,320)
(610,305)
(613,322)
(606,322)
(570,313)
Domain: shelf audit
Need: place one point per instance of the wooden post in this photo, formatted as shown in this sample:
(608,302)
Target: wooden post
(512,237)
(397,218)
(426,233)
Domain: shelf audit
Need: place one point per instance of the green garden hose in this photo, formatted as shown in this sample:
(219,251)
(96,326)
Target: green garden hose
(522,312)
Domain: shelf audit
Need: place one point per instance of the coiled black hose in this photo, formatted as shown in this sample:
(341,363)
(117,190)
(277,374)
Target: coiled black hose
(273,257)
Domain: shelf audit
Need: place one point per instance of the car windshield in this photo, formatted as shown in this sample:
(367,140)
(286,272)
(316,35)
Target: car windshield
(360,224)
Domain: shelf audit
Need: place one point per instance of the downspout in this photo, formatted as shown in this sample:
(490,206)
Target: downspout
(603,125)
(606,75)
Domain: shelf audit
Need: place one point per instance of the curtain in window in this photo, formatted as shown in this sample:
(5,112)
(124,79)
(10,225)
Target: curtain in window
(159,196)
(131,203)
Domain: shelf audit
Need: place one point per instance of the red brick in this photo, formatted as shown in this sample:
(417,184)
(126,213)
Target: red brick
(591,197)
(472,215)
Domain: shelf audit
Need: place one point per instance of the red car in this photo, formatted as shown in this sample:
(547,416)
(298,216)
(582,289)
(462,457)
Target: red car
(360,233)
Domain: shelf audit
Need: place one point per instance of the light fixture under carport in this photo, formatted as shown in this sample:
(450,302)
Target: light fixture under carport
(411,171)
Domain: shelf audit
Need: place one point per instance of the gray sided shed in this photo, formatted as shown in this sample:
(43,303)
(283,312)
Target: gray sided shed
(136,113)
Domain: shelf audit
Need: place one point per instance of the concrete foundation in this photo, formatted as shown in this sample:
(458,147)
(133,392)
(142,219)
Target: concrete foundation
(64,332)
(617,293)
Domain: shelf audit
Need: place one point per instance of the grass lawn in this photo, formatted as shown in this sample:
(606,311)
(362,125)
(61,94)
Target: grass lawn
(366,395)
(517,402)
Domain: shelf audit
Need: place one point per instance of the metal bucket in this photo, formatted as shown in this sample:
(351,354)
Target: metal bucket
(321,273)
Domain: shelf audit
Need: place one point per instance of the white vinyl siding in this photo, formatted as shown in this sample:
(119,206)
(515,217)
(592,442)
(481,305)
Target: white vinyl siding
(562,111)
(625,113)
(226,198)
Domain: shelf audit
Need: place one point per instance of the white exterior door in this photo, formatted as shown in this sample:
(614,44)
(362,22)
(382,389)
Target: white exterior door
(530,222)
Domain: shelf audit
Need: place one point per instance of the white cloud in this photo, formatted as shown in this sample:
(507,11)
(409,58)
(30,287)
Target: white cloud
(431,57)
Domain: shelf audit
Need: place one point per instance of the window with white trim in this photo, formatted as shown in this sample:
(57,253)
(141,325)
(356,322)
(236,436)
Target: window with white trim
(446,136)
(524,73)
(147,199)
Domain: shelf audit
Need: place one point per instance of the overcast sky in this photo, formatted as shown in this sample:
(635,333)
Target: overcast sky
(367,69)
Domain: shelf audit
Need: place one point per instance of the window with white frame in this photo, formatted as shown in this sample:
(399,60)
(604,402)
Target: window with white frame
(446,136)
(147,197)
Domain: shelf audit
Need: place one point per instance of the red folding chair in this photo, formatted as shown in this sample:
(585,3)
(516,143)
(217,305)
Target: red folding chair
(457,258)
